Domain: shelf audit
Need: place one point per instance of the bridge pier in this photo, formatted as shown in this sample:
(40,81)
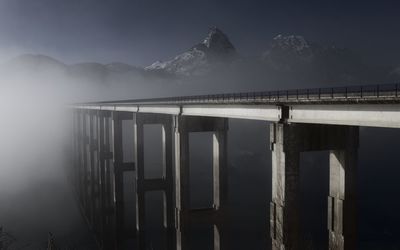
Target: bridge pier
(164,184)
(78,141)
(93,151)
(185,214)
(287,142)
(116,174)
(104,156)
(85,167)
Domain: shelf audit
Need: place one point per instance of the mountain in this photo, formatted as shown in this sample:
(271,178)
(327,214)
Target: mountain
(295,55)
(216,49)
(41,66)
(34,63)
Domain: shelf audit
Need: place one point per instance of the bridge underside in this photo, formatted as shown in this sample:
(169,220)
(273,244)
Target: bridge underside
(99,167)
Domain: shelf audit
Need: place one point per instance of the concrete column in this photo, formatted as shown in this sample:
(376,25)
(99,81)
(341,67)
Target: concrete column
(78,156)
(284,208)
(91,149)
(117,118)
(185,215)
(85,166)
(220,172)
(342,215)
(182,184)
(221,238)
(104,155)
(108,198)
(164,184)
(287,141)
(139,161)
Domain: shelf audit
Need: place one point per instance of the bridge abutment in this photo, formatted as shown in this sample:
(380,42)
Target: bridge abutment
(287,142)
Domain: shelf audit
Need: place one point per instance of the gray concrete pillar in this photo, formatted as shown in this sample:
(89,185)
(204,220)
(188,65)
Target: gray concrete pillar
(104,156)
(164,184)
(108,198)
(139,176)
(92,177)
(342,215)
(117,178)
(284,208)
(78,157)
(220,170)
(182,182)
(287,141)
(185,214)
(85,162)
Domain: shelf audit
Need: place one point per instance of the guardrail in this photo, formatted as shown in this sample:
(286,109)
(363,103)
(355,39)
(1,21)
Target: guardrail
(362,92)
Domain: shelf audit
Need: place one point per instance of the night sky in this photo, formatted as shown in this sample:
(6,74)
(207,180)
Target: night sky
(143,31)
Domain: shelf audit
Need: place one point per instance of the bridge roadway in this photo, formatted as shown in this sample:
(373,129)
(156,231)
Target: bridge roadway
(371,105)
(301,120)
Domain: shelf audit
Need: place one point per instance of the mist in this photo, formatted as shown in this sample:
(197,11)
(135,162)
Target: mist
(54,54)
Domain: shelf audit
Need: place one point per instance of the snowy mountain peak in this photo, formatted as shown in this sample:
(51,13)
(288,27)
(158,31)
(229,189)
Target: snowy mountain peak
(214,50)
(291,42)
(216,40)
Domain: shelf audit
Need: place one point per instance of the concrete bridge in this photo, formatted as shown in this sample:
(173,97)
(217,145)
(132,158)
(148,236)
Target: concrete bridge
(300,121)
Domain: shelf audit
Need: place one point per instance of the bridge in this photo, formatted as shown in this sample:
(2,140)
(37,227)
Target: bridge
(301,120)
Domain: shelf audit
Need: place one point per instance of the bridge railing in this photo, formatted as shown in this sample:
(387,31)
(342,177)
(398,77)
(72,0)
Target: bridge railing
(362,92)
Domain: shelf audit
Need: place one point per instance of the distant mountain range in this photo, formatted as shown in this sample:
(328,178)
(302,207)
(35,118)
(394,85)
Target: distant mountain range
(290,57)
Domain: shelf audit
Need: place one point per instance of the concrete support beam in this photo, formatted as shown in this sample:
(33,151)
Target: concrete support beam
(85,167)
(78,152)
(164,184)
(253,112)
(117,118)
(104,156)
(287,142)
(92,177)
(185,214)
(342,215)
(284,208)
(378,115)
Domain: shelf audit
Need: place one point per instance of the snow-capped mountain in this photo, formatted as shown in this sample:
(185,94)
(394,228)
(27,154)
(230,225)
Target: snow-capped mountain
(287,52)
(328,64)
(214,50)
(293,44)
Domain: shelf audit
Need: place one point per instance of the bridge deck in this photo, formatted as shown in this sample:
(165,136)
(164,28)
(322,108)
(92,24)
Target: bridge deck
(372,105)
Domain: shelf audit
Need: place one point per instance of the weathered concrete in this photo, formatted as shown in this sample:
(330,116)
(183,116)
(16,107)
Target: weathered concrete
(117,177)
(374,115)
(342,215)
(164,184)
(287,142)
(284,208)
(254,112)
(185,214)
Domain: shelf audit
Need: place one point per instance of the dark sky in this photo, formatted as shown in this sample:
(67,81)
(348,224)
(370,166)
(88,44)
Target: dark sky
(142,31)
